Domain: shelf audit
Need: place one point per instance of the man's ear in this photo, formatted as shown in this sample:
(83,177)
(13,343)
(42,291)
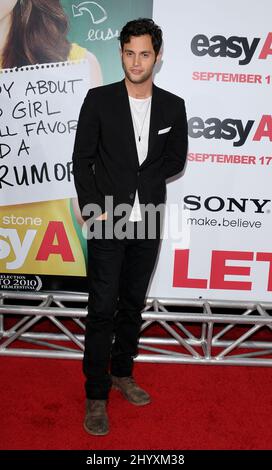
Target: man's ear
(120,50)
(159,56)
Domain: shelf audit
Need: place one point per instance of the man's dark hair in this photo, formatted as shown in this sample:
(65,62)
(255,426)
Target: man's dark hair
(138,28)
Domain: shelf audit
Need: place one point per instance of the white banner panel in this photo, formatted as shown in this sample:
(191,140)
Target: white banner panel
(38,120)
(218,57)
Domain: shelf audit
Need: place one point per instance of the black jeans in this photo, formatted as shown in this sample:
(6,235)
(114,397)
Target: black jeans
(119,272)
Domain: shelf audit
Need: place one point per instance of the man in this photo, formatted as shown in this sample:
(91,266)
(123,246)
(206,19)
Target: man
(131,137)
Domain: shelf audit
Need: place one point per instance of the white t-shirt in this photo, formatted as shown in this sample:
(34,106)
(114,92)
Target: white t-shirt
(140,111)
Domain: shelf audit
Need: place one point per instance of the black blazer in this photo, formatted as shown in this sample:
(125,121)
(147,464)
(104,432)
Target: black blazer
(105,160)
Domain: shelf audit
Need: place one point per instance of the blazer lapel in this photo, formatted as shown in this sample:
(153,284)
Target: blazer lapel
(154,123)
(127,124)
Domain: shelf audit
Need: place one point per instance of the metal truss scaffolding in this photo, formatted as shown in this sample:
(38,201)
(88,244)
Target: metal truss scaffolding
(209,332)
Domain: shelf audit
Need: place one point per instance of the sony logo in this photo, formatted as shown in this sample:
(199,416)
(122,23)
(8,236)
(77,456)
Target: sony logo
(229,204)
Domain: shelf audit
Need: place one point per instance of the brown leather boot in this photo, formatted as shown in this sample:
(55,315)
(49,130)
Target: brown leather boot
(96,420)
(131,391)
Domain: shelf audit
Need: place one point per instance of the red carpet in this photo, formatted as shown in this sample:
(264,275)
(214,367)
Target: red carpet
(194,407)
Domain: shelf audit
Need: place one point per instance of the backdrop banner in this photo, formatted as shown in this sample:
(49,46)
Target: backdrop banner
(218,58)
(218,217)
(52,54)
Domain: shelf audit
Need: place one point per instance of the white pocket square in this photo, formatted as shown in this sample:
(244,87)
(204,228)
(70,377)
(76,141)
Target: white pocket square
(163,131)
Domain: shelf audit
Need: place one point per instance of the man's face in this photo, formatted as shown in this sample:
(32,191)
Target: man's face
(138,58)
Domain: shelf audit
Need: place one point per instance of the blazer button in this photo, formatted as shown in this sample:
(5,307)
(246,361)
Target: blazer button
(138,173)
(131,196)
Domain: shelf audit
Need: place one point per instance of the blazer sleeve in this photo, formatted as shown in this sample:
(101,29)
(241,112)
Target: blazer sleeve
(85,154)
(175,152)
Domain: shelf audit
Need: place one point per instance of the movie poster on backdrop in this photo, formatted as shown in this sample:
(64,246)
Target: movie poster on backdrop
(51,54)
(218,58)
